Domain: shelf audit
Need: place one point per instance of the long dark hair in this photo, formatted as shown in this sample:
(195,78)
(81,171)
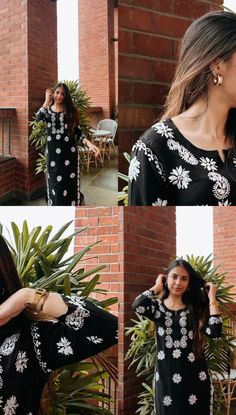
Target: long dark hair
(9,279)
(196,300)
(211,37)
(69,108)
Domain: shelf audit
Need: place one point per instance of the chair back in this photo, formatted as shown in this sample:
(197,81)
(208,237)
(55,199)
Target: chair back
(109,125)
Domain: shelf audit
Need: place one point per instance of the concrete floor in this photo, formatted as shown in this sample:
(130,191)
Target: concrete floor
(99,186)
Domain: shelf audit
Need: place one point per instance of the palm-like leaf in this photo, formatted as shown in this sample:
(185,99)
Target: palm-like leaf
(142,349)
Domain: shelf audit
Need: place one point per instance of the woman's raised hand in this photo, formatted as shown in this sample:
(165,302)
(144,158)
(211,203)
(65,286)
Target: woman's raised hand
(212,289)
(48,96)
(159,285)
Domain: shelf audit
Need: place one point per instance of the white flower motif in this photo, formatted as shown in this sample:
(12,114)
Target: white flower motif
(208,331)
(49,138)
(167,401)
(10,406)
(141,146)
(53,192)
(190,334)
(163,130)
(176,378)
(75,320)
(214,320)
(192,399)
(183,152)
(52,164)
(65,193)
(21,362)
(49,124)
(140,309)
(169,330)
(191,357)
(59,178)
(9,344)
(180,177)
(208,164)
(73,203)
(157,314)
(134,169)
(95,339)
(202,376)
(160,202)
(221,188)
(176,353)
(161,331)
(76,300)
(64,346)
(58,150)
(72,175)
(161,355)
(58,136)
(73,149)
(66,138)
(67,162)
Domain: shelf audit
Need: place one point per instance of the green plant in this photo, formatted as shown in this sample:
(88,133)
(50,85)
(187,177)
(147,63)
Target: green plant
(123,195)
(142,349)
(41,260)
(38,136)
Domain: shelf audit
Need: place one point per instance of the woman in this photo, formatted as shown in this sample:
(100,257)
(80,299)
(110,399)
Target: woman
(69,329)
(61,115)
(189,157)
(184,312)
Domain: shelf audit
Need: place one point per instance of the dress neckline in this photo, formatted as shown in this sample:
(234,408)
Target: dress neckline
(56,112)
(174,311)
(194,147)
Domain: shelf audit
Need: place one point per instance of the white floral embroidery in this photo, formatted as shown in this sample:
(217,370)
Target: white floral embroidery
(191,357)
(65,193)
(213,320)
(95,339)
(176,353)
(75,320)
(161,355)
(10,406)
(67,162)
(202,376)
(66,139)
(52,164)
(9,344)
(221,188)
(192,399)
(161,331)
(157,376)
(73,149)
(1,401)
(59,178)
(37,347)
(64,346)
(134,169)
(234,161)
(163,130)
(157,314)
(225,203)
(141,146)
(140,309)
(208,164)
(147,294)
(183,152)
(160,202)
(167,401)
(180,177)
(176,378)
(72,175)
(190,334)
(21,362)
(58,137)
(208,330)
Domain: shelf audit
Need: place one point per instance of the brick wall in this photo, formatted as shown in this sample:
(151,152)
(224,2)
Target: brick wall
(149,35)
(27,65)
(225,241)
(97,52)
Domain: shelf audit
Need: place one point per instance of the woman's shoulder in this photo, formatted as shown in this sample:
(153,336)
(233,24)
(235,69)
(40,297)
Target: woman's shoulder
(156,137)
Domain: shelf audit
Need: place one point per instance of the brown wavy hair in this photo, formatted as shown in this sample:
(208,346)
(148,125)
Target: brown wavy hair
(69,108)
(210,38)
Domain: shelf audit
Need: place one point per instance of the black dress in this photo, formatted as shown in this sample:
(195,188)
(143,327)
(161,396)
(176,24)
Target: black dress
(182,382)
(30,351)
(63,174)
(167,169)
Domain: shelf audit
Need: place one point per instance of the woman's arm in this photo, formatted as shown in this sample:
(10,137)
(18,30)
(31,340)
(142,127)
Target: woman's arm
(146,304)
(213,327)
(42,112)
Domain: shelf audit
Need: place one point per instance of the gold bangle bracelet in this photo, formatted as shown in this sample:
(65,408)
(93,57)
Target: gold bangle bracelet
(40,295)
(213,303)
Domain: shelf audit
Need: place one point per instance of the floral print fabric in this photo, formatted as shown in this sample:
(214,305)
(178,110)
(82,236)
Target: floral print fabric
(182,382)
(63,180)
(30,351)
(167,169)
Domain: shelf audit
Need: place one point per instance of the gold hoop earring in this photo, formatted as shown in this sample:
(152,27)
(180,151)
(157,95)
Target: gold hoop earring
(217,80)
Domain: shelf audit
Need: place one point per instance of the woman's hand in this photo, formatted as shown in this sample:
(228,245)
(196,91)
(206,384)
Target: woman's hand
(48,97)
(92,147)
(212,289)
(15,304)
(159,285)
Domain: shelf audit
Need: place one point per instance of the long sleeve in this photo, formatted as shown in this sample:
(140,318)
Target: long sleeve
(148,185)
(146,305)
(213,328)
(83,331)
(42,114)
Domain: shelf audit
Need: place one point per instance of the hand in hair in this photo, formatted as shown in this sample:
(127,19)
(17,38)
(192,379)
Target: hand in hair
(48,97)
(212,289)
(159,285)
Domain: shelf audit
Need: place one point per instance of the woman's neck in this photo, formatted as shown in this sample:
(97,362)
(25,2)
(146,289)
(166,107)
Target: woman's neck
(58,107)
(174,302)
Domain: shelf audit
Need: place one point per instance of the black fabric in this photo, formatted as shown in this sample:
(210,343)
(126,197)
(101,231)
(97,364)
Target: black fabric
(63,180)
(30,351)
(182,381)
(167,169)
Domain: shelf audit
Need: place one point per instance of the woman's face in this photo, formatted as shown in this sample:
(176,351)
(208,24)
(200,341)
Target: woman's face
(59,95)
(178,281)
